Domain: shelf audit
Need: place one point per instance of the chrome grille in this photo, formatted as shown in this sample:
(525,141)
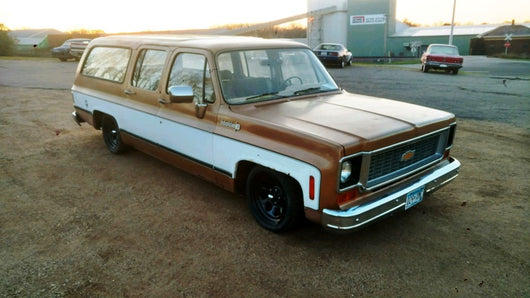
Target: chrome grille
(390,163)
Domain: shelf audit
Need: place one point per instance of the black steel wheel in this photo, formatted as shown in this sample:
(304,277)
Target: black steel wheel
(111,136)
(275,200)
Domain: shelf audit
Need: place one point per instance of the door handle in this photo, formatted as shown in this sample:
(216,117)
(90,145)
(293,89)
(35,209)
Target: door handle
(162,101)
(129,92)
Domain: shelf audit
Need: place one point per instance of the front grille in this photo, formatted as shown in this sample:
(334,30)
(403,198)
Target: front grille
(402,159)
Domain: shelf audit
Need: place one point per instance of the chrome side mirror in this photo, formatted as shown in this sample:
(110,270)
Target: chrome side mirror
(180,94)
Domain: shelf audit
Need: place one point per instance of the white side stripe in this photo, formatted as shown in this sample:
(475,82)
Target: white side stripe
(221,152)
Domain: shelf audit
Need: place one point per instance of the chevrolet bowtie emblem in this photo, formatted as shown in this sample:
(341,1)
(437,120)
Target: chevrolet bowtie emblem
(407,155)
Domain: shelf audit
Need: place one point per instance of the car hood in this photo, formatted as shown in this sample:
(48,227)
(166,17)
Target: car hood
(356,122)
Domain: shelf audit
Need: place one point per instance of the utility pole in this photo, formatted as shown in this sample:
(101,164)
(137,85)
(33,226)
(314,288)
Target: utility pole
(452,24)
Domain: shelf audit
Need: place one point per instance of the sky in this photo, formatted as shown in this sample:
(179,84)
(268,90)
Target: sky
(114,16)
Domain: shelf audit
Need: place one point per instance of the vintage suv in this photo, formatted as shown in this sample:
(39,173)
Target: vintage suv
(265,119)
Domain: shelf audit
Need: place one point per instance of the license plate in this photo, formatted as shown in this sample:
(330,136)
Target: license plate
(414,197)
(443,65)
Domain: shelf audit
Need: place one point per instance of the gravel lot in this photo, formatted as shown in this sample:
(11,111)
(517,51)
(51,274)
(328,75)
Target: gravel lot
(78,221)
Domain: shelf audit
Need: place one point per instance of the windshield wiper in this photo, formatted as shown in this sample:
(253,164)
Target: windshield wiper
(307,91)
(313,90)
(262,95)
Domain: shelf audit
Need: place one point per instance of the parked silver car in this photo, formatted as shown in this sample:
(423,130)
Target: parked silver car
(62,52)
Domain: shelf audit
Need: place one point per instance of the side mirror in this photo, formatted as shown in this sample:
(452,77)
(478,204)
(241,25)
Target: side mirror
(180,94)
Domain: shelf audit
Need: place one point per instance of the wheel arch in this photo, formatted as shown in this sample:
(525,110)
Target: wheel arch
(97,118)
(244,167)
(279,206)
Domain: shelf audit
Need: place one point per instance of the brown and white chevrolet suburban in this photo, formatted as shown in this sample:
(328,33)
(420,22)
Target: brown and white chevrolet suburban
(265,119)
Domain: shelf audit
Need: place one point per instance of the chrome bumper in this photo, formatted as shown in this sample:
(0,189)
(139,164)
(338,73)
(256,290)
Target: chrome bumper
(76,118)
(359,216)
(443,65)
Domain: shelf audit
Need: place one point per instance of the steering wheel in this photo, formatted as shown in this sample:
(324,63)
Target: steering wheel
(289,81)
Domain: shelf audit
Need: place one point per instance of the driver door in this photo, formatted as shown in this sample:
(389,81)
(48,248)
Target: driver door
(187,128)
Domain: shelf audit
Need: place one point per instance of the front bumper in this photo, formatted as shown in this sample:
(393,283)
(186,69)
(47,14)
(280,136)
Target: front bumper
(361,215)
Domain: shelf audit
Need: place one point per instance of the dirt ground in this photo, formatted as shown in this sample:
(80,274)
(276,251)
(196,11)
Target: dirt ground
(76,220)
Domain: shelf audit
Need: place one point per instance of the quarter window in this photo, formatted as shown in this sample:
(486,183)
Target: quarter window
(107,63)
(148,69)
(193,70)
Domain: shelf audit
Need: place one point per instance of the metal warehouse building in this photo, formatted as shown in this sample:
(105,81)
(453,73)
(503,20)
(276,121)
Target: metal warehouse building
(369,29)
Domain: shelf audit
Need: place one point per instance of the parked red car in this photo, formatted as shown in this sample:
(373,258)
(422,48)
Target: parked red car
(442,56)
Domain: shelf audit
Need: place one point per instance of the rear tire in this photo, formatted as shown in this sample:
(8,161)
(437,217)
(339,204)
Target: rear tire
(111,135)
(274,199)
(455,71)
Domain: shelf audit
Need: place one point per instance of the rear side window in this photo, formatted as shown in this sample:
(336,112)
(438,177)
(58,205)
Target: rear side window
(107,63)
(148,69)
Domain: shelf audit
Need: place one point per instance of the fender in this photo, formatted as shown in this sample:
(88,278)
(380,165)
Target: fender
(225,160)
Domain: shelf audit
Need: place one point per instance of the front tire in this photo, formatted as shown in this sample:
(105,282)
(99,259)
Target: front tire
(424,68)
(274,199)
(111,135)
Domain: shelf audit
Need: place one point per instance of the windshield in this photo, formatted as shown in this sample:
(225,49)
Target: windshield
(444,50)
(259,75)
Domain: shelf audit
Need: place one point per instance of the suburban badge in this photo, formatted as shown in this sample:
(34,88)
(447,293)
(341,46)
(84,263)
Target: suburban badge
(236,126)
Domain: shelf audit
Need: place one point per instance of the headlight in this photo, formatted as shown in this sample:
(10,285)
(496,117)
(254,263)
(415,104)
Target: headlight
(345,172)
(350,172)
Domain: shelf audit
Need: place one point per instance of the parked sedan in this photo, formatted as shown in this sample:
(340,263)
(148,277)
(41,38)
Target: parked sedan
(333,54)
(78,47)
(441,56)
(63,52)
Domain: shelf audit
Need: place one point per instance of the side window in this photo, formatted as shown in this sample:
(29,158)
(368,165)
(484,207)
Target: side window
(148,69)
(107,63)
(193,70)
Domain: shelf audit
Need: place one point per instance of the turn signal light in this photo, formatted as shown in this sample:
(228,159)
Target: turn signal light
(311,187)
(348,196)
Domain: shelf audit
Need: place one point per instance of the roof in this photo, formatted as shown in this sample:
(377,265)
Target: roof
(29,40)
(444,31)
(514,30)
(32,33)
(32,38)
(214,43)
